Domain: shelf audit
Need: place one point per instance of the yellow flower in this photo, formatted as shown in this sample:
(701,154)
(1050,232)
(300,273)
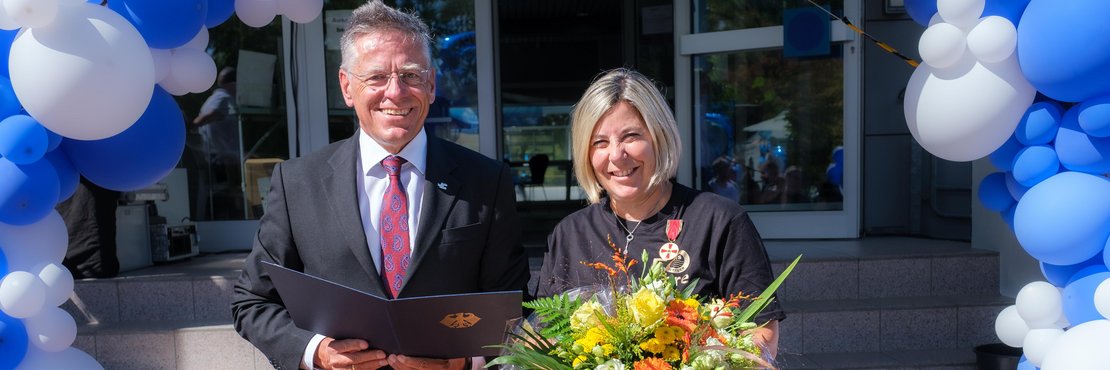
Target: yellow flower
(594,336)
(652,345)
(670,353)
(647,307)
(579,360)
(586,316)
(667,334)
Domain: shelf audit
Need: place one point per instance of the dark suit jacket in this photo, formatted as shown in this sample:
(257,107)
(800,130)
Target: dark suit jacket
(468,238)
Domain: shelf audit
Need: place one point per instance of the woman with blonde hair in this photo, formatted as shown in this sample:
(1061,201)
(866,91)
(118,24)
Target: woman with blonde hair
(626,153)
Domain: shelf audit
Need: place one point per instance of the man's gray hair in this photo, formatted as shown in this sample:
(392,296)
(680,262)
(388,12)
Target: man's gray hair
(374,17)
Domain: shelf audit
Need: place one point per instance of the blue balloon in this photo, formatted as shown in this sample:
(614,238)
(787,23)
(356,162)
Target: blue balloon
(28,192)
(164,24)
(53,140)
(1060,275)
(218,12)
(1008,216)
(1024,364)
(13,341)
(1077,150)
(137,157)
(1065,219)
(22,139)
(9,103)
(1009,9)
(1035,164)
(1079,302)
(993,193)
(1003,157)
(67,174)
(6,38)
(835,174)
(1039,124)
(921,10)
(1062,49)
(1094,116)
(3,262)
(1016,190)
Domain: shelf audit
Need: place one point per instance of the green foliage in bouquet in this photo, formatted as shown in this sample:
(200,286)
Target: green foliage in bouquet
(635,324)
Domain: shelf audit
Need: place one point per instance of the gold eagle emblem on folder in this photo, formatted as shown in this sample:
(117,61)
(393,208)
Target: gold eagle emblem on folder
(461,320)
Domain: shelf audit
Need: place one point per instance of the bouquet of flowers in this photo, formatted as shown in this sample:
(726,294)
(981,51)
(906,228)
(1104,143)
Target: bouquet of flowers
(639,323)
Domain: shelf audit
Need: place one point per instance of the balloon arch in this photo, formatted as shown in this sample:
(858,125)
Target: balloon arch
(1027,84)
(86,89)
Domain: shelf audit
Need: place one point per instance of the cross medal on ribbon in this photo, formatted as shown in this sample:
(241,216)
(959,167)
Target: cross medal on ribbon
(670,250)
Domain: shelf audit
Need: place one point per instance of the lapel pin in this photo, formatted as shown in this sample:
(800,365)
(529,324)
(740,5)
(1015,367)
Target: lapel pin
(442,186)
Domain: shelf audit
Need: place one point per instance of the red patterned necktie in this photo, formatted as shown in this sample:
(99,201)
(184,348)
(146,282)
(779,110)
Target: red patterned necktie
(394,227)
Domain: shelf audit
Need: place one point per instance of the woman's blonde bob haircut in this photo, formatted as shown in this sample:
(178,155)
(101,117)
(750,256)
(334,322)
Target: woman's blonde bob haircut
(608,89)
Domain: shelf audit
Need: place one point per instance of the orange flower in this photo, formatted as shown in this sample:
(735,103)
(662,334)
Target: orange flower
(651,363)
(620,261)
(682,315)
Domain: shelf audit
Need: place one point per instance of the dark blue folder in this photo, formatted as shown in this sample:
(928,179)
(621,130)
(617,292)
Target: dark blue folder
(445,326)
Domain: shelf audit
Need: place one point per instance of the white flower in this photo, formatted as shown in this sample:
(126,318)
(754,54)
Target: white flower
(611,365)
(721,315)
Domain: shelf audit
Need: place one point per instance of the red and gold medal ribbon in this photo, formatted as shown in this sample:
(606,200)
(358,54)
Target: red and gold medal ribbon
(673,228)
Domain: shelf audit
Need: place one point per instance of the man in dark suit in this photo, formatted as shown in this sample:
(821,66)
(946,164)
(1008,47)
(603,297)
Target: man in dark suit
(391,211)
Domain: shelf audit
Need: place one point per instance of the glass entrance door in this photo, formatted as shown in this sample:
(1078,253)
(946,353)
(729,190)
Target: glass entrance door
(775,133)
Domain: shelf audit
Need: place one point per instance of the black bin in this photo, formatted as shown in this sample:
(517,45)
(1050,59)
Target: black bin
(997,356)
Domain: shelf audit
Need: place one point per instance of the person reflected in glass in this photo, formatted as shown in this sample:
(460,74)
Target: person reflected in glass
(218,126)
(772,184)
(722,182)
(391,211)
(626,154)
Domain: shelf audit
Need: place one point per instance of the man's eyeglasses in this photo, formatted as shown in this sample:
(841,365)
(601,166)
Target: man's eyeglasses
(413,78)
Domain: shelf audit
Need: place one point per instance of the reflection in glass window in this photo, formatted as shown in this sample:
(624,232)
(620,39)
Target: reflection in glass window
(769,127)
(725,15)
(454,115)
(237,130)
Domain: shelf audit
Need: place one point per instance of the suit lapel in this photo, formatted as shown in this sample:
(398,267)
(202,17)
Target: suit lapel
(340,189)
(440,189)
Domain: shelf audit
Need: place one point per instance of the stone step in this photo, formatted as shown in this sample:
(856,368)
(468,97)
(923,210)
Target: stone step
(892,267)
(955,359)
(958,322)
(181,345)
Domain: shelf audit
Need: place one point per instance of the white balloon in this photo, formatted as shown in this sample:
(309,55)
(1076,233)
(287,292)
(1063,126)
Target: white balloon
(1038,342)
(300,11)
(256,13)
(942,45)
(22,294)
(961,13)
(6,21)
(1040,304)
(173,86)
(1102,298)
(1083,347)
(968,110)
(993,40)
(161,63)
(194,69)
(1009,326)
(52,330)
(199,42)
(59,283)
(87,76)
(70,358)
(44,241)
(32,13)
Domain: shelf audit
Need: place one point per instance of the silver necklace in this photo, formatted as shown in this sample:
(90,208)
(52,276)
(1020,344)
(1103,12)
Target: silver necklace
(628,239)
